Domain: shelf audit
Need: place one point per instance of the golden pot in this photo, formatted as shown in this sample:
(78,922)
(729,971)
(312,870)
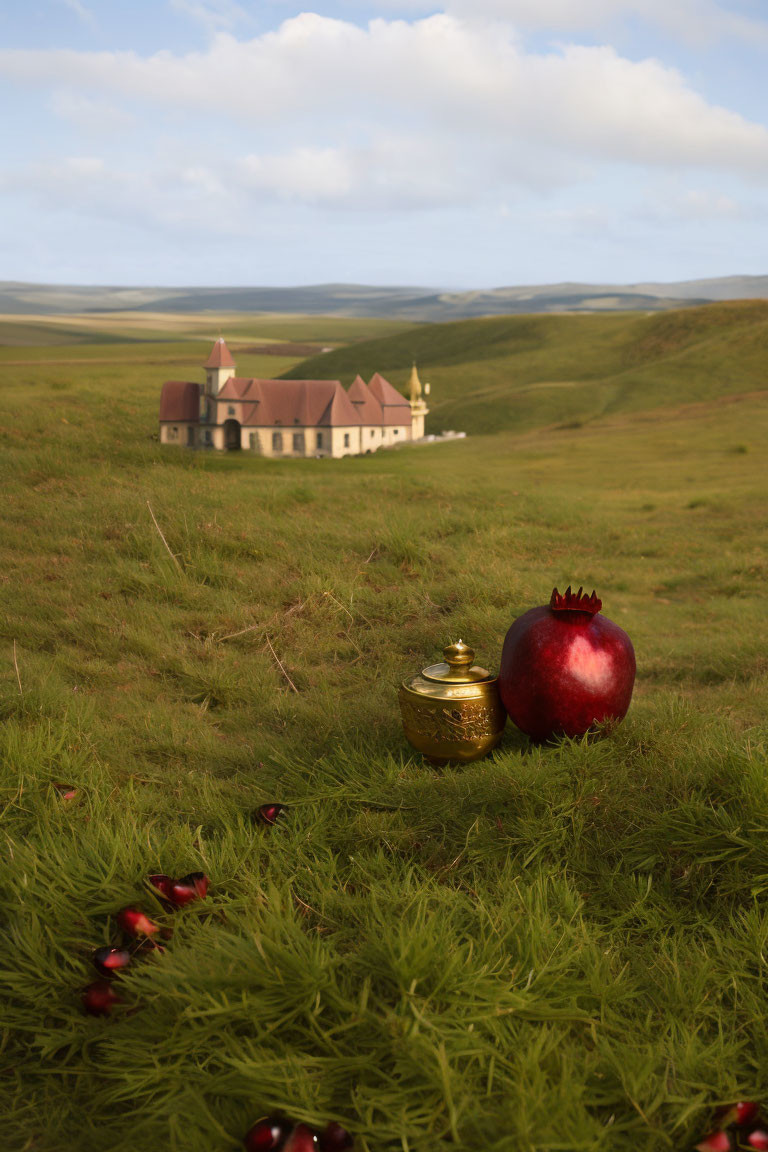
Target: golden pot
(452,712)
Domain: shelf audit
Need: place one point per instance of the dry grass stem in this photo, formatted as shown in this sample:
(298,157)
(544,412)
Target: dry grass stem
(242,632)
(162,537)
(16,666)
(280,665)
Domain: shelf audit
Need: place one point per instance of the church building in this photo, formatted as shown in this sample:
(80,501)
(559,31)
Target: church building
(288,417)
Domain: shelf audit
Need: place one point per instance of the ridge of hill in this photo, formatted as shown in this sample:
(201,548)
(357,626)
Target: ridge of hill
(523,372)
(406,303)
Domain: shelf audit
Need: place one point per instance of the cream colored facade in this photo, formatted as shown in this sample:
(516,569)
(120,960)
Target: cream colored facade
(223,422)
(178,433)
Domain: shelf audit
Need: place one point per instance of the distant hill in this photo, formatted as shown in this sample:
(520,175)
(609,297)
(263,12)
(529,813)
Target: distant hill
(421,304)
(522,372)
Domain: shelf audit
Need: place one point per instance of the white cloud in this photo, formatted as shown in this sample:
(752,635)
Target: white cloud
(438,113)
(93,117)
(185,199)
(315,80)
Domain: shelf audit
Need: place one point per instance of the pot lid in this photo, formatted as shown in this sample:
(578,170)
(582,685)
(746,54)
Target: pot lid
(458,667)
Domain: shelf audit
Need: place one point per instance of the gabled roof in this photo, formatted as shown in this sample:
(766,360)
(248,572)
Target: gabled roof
(291,403)
(395,407)
(365,402)
(220,356)
(180,400)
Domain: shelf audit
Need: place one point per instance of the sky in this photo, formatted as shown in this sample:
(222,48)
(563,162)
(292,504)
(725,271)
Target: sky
(460,144)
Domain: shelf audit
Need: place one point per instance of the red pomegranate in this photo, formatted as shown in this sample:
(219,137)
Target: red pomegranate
(99,998)
(564,668)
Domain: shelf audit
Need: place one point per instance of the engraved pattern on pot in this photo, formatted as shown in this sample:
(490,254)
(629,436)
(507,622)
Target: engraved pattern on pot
(474,720)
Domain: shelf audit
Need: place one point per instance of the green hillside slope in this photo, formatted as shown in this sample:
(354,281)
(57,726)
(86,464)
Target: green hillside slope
(528,371)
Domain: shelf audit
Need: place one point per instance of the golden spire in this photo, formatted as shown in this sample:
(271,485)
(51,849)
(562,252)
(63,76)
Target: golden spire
(415,385)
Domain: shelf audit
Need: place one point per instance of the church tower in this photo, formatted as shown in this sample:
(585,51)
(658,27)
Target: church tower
(418,404)
(219,367)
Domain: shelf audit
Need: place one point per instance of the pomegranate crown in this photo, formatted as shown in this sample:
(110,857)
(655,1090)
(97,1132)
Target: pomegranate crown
(575,601)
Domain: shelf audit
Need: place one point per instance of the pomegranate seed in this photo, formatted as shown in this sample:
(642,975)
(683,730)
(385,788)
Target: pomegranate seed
(716,1142)
(111,961)
(136,923)
(740,1113)
(189,888)
(99,998)
(66,791)
(758,1139)
(301,1139)
(268,813)
(334,1138)
(267,1134)
(161,882)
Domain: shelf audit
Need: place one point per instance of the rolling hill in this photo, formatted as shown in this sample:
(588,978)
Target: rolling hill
(406,303)
(519,373)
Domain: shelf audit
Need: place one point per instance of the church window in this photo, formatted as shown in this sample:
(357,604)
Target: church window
(175,432)
(277,441)
(373,432)
(319,440)
(346,439)
(253,440)
(230,410)
(298,442)
(397,431)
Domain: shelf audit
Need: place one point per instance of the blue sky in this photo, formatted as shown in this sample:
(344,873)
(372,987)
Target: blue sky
(466,144)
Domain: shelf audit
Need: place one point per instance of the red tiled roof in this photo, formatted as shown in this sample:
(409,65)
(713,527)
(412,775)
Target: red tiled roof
(180,400)
(291,403)
(365,402)
(395,408)
(220,356)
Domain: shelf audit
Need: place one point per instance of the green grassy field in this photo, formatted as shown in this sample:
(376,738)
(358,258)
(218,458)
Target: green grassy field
(556,949)
(516,373)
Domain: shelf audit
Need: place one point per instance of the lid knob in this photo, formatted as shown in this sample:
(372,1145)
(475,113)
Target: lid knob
(459,656)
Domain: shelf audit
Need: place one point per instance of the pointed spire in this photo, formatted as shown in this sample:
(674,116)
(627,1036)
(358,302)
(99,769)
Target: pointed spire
(220,356)
(414,384)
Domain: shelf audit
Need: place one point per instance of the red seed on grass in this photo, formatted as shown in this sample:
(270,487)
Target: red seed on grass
(334,1138)
(136,923)
(66,791)
(716,1142)
(758,1139)
(99,998)
(267,1135)
(268,813)
(740,1113)
(189,888)
(111,961)
(301,1139)
(161,882)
